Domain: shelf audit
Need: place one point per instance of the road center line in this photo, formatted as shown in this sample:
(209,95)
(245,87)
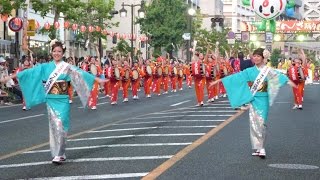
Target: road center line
(177,104)
(19,119)
(114,146)
(185,151)
(136,135)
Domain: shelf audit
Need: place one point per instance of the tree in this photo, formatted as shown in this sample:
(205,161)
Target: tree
(122,47)
(93,12)
(275,56)
(6,6)
(166,21)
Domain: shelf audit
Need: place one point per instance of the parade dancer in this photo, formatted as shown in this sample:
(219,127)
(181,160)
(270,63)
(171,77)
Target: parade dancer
(265,83)
(199,81)
(188,75)
(26,65)
(147,81)
(298,73)
(180,76)
(55,75)
(135,83)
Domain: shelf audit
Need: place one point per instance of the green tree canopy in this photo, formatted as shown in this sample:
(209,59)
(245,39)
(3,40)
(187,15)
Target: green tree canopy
(166,21)
(91,13)
(275,56)
(6,6)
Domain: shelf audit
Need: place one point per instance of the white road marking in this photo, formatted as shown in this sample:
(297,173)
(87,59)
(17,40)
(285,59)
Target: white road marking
(22,118)
(177,104)
(173,95)
(156,127)
(116,145)
(89,160)
(170,121)
(137,135)
(13,105)
(130,129)
(283,102)
(102,176)
(80,107)
(226,111)
(211,115)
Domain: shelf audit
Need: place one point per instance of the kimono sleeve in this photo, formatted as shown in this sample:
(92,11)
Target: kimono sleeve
(237,88)
(30,82)
(82,82)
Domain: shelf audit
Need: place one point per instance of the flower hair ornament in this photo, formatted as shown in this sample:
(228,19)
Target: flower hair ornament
(54,41)
(266,54)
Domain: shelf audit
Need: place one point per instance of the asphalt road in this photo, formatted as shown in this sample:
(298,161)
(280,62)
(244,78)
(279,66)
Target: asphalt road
(130,140)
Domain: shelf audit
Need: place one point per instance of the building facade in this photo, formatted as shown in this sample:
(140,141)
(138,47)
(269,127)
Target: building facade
(235,14)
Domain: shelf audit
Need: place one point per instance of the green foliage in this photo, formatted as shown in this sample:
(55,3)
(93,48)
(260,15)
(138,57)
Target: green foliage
(122,47)
(52,32)
(166,21)
(275,56)
(94,13)
(6,6)
(207,39)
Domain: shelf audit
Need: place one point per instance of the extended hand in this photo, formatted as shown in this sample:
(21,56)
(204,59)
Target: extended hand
(213,83)
(292,84)
(99,80)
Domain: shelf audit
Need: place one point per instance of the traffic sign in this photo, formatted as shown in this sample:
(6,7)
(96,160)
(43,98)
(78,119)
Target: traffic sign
(31,25)
(31,33)
(245,36)
(231,35)
(231,41)
(269,37)
(13,26)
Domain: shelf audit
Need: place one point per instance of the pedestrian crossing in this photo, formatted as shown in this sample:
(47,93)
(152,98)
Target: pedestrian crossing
(128,149)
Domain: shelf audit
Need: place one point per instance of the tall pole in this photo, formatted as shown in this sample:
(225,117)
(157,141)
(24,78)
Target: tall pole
(189,41)
(132,51)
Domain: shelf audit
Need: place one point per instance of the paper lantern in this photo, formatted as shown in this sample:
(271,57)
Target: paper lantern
(83,28)
(123,36)
(4,17)
(37,25)
(111,34)
(74,27)
(118,36)
(98,28)
(91,29)
(104,32)
(66,24)
(134,37)
(56,25)
(47,26)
